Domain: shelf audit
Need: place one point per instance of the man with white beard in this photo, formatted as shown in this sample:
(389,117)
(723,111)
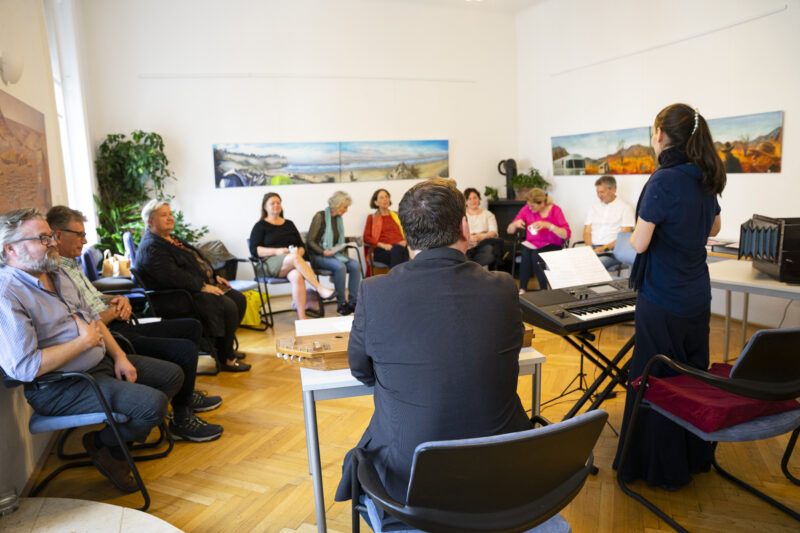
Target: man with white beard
(46,326)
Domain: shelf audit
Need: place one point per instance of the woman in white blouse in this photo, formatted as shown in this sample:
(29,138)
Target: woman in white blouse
(486,247)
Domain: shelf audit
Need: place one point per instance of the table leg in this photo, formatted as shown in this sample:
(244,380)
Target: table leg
(536,389)
(314,465)
(745,308)
(727,325)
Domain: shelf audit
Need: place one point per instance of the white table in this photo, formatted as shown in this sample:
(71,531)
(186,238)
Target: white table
(321,385)
(732,275)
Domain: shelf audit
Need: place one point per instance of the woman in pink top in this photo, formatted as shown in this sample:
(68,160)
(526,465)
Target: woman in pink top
(546,229)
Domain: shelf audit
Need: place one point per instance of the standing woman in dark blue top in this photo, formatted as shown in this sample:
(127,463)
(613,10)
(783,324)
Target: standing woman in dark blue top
(676,213)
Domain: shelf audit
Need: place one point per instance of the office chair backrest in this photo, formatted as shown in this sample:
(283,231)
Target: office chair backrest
(130,246)
(494,474)
(772,356)
(623,251)
(89,262)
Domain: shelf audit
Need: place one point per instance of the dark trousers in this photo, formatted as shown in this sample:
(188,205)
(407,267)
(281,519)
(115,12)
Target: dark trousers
(144,402)
(234,305)
(174,340)
(487,252)
(530,264)
(662,452)
(398,254)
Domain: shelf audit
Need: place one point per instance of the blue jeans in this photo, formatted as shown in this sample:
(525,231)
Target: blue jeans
(340,271)
(145,401)
(608,260)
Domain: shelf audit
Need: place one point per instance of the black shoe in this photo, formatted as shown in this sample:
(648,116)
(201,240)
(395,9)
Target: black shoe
(236,366)
(194,429)
(344,309)
(239,355)
(202,402)
(352,306)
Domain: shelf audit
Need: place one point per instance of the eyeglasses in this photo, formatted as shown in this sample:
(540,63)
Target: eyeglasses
(81,234)
(44,239)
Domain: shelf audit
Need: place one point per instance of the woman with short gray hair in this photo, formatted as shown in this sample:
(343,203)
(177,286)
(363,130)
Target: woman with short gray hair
(326,245)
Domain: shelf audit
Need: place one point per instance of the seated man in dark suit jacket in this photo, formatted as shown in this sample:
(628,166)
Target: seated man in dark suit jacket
(439,338)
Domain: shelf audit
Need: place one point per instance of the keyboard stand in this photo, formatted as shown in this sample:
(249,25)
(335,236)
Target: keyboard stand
(610,369)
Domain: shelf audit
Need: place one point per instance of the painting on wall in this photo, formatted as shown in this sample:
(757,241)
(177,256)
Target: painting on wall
(24,172)
(604,152)
(259,164)
(749,143)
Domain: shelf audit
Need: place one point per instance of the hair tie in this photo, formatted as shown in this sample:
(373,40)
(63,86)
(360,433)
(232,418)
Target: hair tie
(696,121)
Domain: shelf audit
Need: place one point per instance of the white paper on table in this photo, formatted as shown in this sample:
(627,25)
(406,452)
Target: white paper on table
(574,266)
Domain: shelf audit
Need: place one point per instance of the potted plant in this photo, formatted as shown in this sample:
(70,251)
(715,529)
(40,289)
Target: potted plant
(130,172)
(532,179)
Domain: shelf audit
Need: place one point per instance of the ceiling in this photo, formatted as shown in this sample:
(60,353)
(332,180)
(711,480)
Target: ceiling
(503,6)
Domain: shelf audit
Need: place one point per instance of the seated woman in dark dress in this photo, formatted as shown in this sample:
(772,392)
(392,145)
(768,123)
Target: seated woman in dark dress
(384,233)
(169,262)
(676,213)
(278,244)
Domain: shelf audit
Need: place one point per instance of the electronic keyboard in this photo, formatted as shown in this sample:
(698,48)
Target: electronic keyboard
(580,308)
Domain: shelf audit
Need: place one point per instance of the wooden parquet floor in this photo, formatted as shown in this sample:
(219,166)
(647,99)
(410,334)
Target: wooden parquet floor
(255,478)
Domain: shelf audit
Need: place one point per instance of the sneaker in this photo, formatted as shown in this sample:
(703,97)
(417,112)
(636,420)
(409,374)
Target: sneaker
(202,402)
(343,309)
(194,429)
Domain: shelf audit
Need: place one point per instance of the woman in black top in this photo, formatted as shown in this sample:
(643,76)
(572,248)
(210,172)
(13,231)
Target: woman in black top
(278,244)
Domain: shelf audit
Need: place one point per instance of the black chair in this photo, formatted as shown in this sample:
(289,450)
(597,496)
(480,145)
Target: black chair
(517,258)
(264,282)
(768,369)
(512,482)
(41,423)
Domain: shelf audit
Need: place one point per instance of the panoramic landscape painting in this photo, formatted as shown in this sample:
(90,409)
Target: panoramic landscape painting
(749,143)
(256,164)
(603,152)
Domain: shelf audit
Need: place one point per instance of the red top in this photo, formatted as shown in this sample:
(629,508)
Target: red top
(390,232)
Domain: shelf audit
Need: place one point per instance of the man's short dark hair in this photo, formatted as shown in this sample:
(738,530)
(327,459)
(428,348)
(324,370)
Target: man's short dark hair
(431,213)
(60,217)
(608,181)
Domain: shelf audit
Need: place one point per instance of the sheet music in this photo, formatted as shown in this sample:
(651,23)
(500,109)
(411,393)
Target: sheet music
(340,247)
(574,266)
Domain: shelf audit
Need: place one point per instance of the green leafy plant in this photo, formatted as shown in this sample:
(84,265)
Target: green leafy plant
(531,179)
(129,172)
(490,193)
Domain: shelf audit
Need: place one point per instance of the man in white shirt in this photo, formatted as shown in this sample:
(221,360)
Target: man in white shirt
(606,219)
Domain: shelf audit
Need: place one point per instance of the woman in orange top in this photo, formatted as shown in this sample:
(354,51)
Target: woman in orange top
(384,233)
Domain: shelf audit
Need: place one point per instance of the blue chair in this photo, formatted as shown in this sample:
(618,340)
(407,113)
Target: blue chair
(768,369)
(623,251)
(264,282)
(513,482)
(40,424)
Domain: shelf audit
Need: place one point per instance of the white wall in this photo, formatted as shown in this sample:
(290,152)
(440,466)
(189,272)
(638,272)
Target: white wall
(745,66)
(22,31)
(205,72)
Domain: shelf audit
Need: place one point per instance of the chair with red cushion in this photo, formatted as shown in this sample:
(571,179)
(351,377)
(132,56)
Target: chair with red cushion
(755,399)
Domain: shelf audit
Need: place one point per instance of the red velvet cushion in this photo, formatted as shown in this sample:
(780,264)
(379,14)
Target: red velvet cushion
(706,407)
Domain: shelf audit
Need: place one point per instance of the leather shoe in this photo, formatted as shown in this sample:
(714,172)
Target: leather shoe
(118,472)
(236,366)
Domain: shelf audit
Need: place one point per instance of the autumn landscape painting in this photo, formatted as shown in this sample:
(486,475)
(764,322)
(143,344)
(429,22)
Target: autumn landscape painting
(749,143)
(604,152)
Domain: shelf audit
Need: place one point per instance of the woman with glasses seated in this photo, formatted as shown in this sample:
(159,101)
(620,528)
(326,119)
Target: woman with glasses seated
(545,231)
